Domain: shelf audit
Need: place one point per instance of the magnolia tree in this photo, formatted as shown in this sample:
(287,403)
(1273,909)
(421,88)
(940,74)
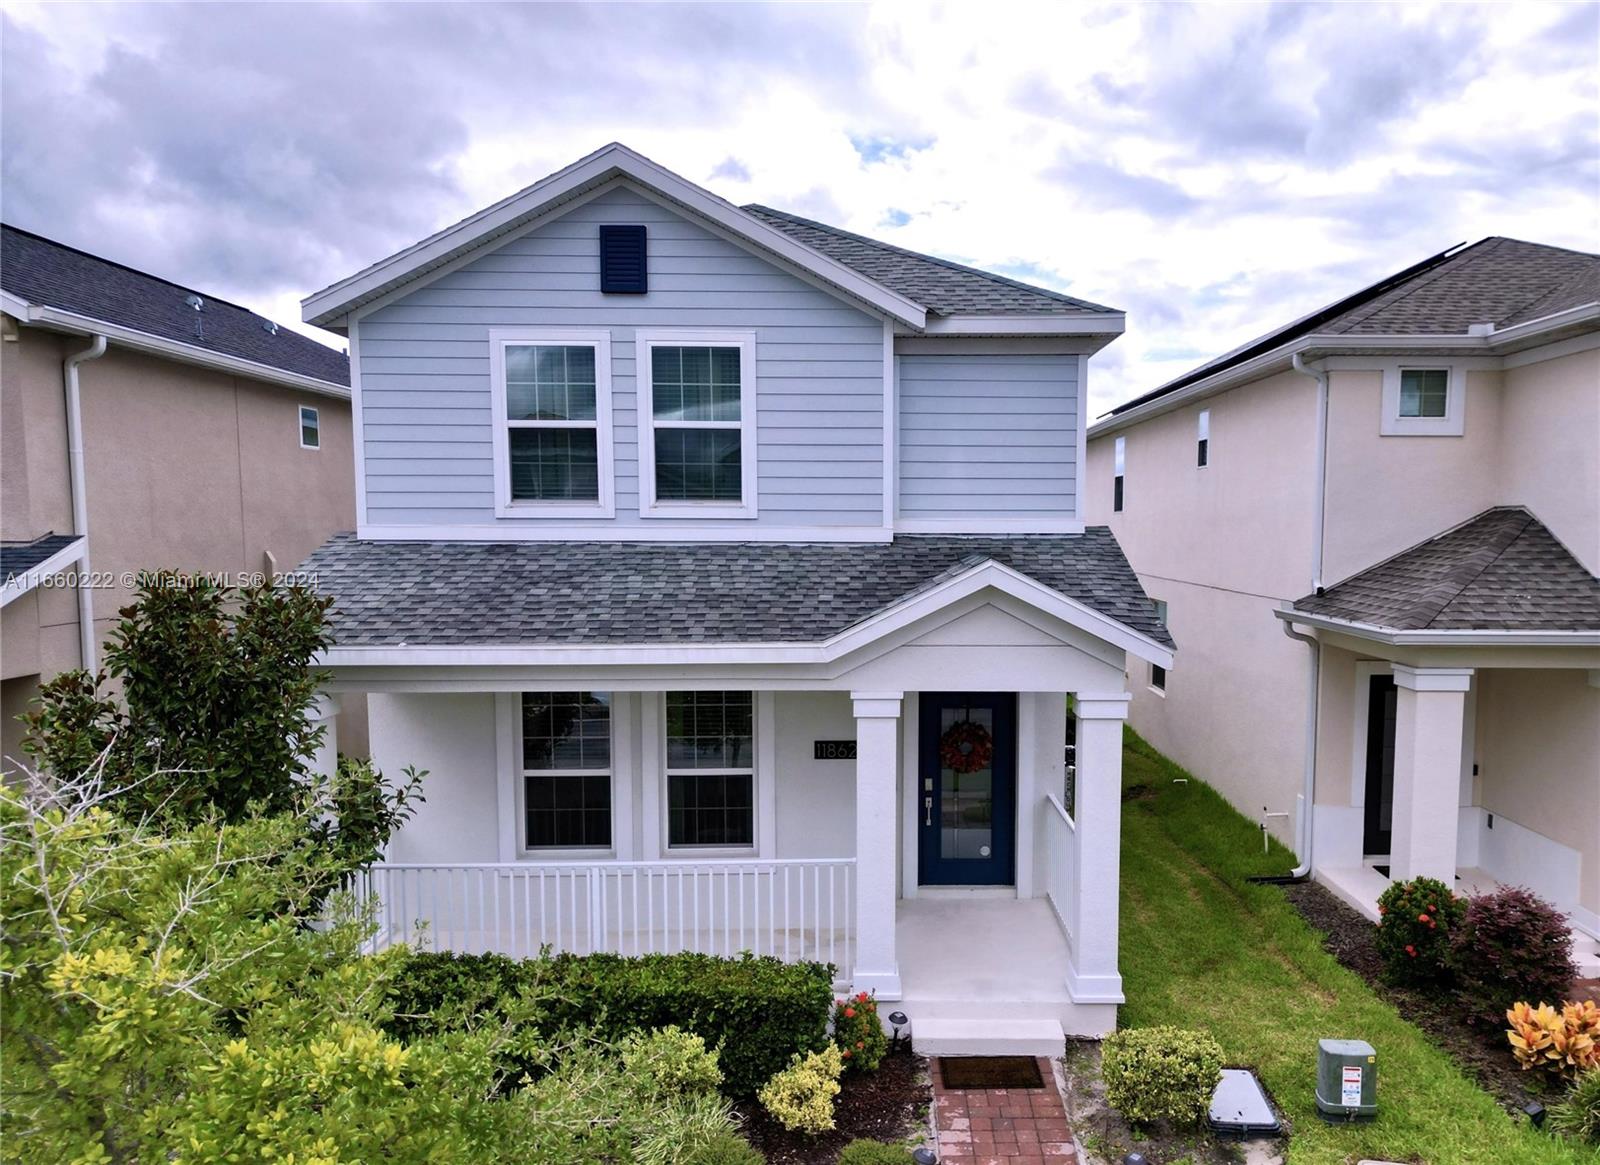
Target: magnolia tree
(204,711)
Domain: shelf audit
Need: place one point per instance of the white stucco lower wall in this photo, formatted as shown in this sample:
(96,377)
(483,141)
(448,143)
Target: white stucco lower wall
(452,736)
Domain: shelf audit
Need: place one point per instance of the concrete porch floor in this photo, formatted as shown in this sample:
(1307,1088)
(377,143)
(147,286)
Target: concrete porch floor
(1360,887)
(993,973)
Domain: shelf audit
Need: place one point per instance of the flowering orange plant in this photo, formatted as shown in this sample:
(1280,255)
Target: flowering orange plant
(858,1033)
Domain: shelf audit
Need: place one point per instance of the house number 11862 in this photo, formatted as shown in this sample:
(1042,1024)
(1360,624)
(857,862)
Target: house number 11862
(834,750)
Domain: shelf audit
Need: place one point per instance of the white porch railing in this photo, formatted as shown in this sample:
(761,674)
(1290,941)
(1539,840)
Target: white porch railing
(794,910)
(1061,859)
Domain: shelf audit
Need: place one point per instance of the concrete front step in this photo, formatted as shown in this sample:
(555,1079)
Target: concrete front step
(1586,954)
(935,1036)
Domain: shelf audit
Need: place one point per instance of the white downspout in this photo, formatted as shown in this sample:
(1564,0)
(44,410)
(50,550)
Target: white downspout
(1318,513)
(1320,467)
(1308,780)
(87,645)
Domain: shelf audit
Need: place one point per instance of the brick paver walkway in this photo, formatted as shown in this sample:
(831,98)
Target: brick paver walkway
(991,1126)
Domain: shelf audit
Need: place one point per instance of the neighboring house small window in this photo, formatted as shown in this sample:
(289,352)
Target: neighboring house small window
(1116,481)
(1424,392)
(1423,401)
(710,769)
(697,433)
(566,770)
(310,428)
(552,406)
(1158,674)
(1203,453)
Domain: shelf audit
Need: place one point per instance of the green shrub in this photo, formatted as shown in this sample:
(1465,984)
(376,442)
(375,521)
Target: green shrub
(801,1097)
(723,1149)
(873,1153)
(1510,945)
(1578,1114)
(755,1012)
(1161,1073)
(670,1062)
(858,1032)
(1415,920)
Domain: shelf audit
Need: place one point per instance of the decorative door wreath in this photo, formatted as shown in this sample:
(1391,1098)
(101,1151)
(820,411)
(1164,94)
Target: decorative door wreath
(966,747)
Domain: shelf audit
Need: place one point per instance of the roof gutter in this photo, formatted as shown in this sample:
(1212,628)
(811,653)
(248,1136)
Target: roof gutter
(1523,335)
(87,640)
(1465,637)
(45,316)
(1308,777)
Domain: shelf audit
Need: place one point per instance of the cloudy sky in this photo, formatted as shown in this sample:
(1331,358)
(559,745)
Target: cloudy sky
(1212,170)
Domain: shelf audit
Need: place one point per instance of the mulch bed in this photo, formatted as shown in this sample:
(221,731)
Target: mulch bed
(1483,1055)
(890,1104)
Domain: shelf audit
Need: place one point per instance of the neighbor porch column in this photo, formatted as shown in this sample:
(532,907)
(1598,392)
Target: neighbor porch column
(877,967)
(1093,976)
(1430,707)
(323,710)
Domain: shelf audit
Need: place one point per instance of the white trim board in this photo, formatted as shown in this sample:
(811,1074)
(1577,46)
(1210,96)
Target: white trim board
(333,303)
(668,530)
(21,584)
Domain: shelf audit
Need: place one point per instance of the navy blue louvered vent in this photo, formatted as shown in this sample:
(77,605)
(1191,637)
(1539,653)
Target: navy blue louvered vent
(623,270)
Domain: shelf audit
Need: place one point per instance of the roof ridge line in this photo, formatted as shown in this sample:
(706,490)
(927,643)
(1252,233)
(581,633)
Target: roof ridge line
(993,276)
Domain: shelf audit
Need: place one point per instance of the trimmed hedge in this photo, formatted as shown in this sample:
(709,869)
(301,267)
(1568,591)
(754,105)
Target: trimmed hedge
(755,1012)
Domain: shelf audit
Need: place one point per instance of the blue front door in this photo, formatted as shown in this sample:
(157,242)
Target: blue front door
(968,778)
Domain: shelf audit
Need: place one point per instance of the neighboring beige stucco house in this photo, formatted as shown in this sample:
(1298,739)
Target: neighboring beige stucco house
(193,451)
(1408,480)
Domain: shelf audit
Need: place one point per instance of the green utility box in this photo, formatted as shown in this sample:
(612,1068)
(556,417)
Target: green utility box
(1347,1080)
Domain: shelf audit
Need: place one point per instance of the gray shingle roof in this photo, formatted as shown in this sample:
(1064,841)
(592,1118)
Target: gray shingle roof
(1502,571)
(943,287)
(529,593)
(1497,280)
(45,272)
(20,557)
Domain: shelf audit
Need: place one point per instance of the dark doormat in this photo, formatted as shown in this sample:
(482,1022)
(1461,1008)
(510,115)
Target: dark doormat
(990,1072)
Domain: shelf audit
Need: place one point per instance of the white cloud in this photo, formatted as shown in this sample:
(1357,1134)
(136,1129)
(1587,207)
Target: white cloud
(1216,170)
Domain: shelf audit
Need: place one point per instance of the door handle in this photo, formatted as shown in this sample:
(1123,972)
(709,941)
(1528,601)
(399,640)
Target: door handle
(927,811)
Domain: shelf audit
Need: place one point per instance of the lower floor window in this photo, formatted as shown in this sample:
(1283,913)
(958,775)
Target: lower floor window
(569,811)
(710,809)
(710,769)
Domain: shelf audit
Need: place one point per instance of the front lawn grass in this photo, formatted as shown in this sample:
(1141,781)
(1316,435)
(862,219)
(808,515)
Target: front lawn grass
(1204,948)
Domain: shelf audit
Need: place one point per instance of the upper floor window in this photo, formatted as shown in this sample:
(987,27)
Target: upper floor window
(697,450)
(310,428)
(566,770)
(1119,454)
(1203,435)
(1422,401)
(552,407)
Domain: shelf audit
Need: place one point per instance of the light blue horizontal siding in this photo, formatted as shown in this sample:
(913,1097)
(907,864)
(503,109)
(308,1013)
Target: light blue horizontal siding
(993,436)
(425,371)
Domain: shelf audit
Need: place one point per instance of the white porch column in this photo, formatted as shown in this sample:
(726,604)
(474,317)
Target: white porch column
(1430,704)
(325,761)
(1094,977)
(877,966)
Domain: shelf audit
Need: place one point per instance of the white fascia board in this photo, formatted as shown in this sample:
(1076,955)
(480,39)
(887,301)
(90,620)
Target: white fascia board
(868,631)
(1515,338)
(137,341)
(554,530)
(14,588)
(1461,638)
(14,305)
(1110,325)
(335,302)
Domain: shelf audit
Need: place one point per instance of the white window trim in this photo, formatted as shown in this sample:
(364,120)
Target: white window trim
(645,340)
(519,774)
(316,423)
(600,340)
(762,819)
(1452,424)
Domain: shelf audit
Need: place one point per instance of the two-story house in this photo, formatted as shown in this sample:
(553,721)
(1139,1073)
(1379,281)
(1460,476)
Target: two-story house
(728,574)
(1376,533)
(146,424)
